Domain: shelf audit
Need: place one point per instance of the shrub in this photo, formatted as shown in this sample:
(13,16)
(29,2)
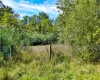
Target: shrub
(38,39)
(25,57)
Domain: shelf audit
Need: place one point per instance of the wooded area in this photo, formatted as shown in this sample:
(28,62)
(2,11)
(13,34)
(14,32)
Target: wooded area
(77,26)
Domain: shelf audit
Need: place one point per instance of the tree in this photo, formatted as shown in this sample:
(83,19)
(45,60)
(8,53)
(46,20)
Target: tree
(42,16)
(33,22)
(44,23)
(46,26)
(38,23)
(5,9)
(7,17)
(8,20)
(80,21)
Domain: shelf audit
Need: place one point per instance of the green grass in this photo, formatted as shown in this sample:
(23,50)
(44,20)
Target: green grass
(39,67)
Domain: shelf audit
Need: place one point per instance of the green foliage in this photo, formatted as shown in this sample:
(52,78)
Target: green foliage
(96,35)
(37,28)
(33,30)
(43,39)
(8,20)
(39,69)
(26,57)
(9,36)
(79,26)
(38,23)
(1,57)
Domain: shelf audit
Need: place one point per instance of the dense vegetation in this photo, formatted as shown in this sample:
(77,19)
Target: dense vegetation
(37,67)
(78,26)
(33,30)
(80,23)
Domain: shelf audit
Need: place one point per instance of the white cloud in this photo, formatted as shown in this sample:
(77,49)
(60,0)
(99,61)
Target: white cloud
(27,7)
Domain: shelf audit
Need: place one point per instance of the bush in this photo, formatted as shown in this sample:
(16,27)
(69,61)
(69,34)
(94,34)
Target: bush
(38,39)
(23,56)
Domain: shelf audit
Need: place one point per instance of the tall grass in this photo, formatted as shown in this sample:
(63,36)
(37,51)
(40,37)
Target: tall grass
(39,67)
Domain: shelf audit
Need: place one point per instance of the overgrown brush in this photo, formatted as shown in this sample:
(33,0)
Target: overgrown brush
(38,67)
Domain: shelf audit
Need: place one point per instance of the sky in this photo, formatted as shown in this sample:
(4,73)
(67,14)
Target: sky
(31,7)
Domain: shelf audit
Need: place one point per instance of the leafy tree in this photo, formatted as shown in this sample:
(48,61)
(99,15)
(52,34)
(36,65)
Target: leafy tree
(42,16)
(5,9)
(8,20)
(25,20)
(7,16)
(81,22)
(38,23)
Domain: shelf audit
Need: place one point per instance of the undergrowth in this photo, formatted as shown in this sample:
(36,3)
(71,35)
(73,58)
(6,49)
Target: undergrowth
(39,67)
